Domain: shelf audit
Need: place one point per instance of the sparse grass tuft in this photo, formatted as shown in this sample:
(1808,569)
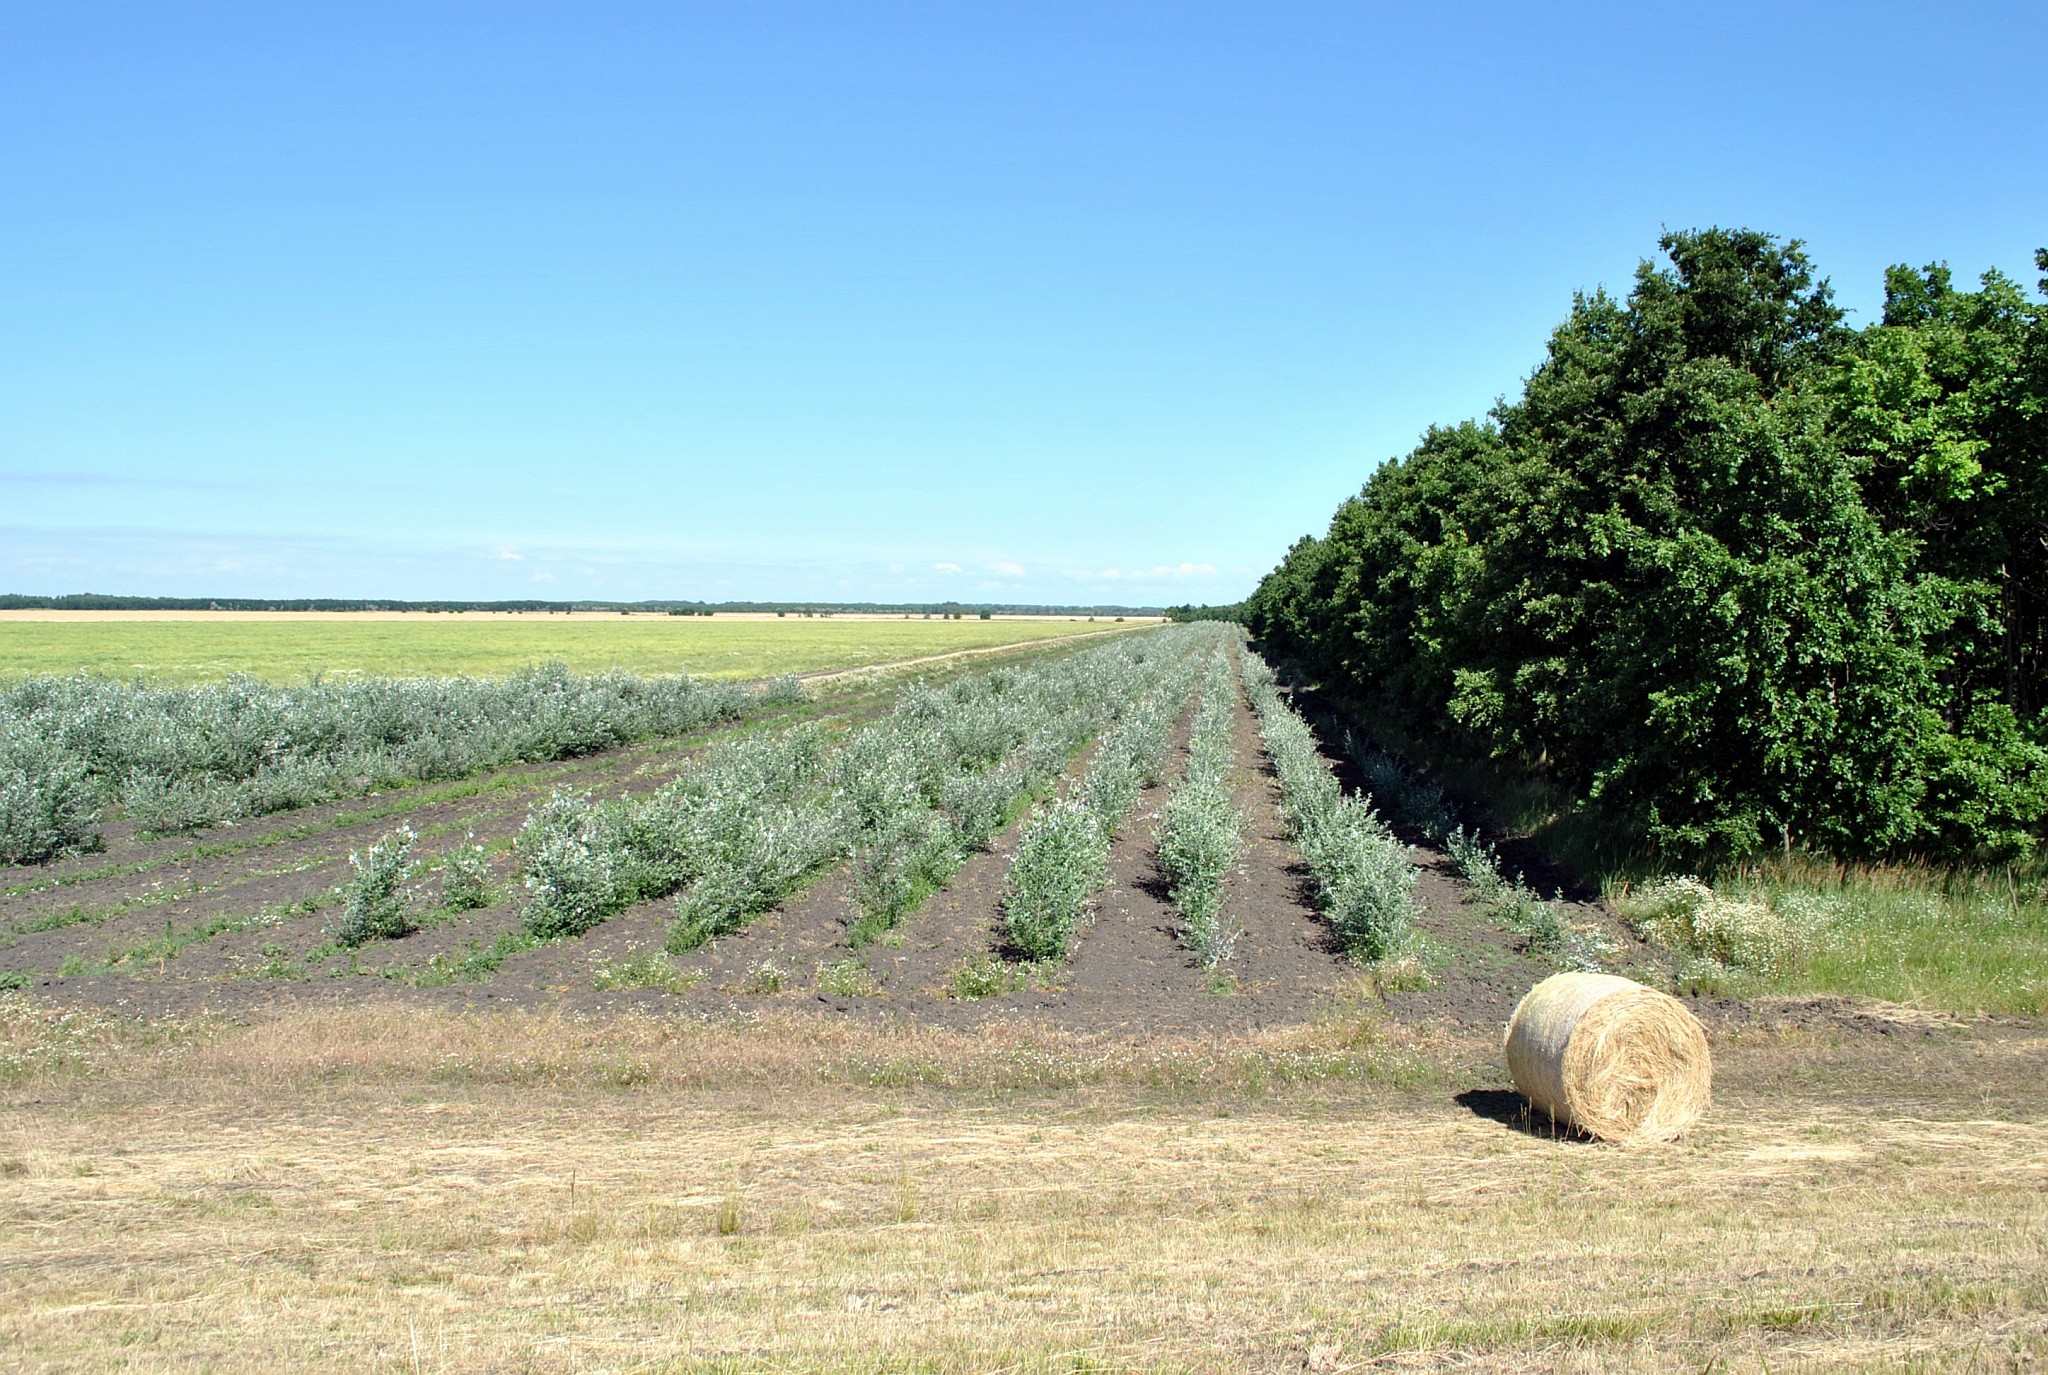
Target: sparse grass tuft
(649,969)
(765,977)
(984,977)
(847,978)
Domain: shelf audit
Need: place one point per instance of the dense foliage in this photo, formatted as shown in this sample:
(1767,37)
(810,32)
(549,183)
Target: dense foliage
(1188,611)
(1727,572)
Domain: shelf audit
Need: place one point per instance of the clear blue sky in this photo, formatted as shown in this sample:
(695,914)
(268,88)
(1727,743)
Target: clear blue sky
(997,301)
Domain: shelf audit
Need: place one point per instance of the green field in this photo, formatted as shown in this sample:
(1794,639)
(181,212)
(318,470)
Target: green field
(184,651)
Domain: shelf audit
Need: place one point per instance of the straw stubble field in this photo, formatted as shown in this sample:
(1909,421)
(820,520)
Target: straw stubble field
(387,1189)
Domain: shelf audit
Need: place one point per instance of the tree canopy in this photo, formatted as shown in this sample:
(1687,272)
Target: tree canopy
(1728,571)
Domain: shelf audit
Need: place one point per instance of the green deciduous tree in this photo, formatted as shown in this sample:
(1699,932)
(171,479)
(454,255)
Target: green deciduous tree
(1727,571)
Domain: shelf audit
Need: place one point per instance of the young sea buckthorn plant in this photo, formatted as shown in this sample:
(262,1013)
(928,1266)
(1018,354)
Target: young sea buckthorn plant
(376,904)
(906,798)
(47,807)
(466,878)
(1060,862)
(180,758)
(1201,834)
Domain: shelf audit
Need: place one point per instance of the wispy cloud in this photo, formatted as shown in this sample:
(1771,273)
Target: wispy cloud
(109,480)
(1160,573)
(512,563)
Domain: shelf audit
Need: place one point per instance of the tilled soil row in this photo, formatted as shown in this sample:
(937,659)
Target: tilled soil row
(905,973)
(1130,973)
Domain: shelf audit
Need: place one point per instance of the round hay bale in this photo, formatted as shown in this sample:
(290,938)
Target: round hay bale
(1610,1057)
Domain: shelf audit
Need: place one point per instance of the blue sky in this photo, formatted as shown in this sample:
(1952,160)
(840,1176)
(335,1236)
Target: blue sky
(1012,302)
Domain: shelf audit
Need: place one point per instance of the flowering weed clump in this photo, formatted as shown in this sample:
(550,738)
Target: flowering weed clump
(1718,932)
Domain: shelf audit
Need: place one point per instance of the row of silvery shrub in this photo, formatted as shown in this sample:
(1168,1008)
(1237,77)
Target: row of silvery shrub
(904,798)
(383,898)
(1201,834)
(1423,804)
(1363,880)
(728,834)
(177,758)
(1062,859)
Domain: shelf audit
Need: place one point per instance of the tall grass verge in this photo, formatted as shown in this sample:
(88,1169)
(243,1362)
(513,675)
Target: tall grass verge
(1958,941)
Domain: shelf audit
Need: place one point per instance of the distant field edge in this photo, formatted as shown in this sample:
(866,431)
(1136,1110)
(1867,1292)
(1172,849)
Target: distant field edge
(284,647)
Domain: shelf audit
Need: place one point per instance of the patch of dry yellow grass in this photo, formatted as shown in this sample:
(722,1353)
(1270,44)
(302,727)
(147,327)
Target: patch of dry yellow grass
(490,1193)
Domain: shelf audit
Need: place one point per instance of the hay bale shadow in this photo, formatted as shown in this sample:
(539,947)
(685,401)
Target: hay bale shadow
(1510,1109)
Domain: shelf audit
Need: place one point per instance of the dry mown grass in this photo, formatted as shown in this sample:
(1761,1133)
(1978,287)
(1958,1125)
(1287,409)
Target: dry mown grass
(377,1189)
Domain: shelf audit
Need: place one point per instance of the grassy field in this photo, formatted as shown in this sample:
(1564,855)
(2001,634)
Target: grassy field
(288,648)
(369,1189)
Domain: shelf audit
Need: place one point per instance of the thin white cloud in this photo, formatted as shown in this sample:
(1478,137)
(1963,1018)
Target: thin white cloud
(1009,570)
(508,554)
(946,567)
(1160,573)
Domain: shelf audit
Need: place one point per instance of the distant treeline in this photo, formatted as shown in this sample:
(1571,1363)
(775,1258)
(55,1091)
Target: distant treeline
(94,601)
(1728,572)
(1232,612)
